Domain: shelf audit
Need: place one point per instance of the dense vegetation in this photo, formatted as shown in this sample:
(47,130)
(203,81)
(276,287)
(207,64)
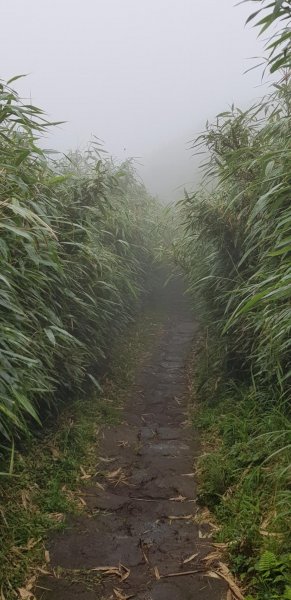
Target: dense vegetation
(76,239)
(236,252)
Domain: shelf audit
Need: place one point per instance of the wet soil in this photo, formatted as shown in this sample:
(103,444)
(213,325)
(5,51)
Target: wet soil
(141,506)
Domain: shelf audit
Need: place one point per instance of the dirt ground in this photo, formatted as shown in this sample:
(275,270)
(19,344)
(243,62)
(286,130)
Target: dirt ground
(139,521)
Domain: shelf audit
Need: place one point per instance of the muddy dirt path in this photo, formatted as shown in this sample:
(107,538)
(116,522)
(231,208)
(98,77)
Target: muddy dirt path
(141,507)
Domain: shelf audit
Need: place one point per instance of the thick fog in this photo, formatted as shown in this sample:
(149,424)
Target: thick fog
(142,75)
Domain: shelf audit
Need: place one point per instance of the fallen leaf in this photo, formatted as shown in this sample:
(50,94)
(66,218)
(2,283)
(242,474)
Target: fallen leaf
(225,574)
(47,556)
(180,573)
(25,594)
(178,498)
(32,543)
(270,533)
(114,474)
(212,556)
(203,536)
(100,486)
(186,517)
(108,570)
(126,572)
(187,560)
(123,444)
(106,460)
(118,593)
(42,571)
(188,474)
(57,517)
(212,574)
(144,553)
(117,477)
(120,571)
(157,574)
(84,474)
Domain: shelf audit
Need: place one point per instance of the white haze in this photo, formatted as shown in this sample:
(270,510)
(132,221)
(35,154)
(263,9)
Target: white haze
(142,75)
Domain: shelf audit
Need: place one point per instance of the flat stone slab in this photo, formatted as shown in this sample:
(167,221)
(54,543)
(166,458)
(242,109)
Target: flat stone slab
(95,548)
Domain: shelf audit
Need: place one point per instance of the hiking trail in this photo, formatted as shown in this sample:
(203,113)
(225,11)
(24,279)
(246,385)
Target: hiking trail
(139,520)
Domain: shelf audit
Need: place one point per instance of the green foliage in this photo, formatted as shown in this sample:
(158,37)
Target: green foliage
(244,478)
(76,238)
(235,250)
(270,14)
(236,247)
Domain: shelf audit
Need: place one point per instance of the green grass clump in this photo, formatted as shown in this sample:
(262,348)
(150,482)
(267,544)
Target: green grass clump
(244,476)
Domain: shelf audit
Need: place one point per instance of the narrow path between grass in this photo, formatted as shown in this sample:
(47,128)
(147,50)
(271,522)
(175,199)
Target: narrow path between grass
(138,537)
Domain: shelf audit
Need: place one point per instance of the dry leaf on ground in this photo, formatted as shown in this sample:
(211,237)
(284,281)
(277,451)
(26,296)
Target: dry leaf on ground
(182,517)
(108,570)
(43,571)
(213,556)
(178,498)
(120,571)
(25,594)
(212,574)
(119,594)
(117,476)
(84,474)
(181,573)
(126,572)
(190,558)
(114,474)
(57,517)
(203,536)
(224,572)
(100,486)
(123,444)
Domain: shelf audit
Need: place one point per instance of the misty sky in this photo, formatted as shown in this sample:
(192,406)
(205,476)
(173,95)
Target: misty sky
(142,75)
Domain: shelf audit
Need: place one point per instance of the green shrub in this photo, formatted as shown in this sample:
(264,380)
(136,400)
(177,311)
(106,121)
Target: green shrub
(235,248)
(76,240)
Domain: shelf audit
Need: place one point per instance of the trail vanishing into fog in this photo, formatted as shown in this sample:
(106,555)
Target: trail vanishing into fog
(139,530)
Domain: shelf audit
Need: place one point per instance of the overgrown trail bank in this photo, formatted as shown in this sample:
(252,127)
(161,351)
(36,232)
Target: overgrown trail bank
(139,520)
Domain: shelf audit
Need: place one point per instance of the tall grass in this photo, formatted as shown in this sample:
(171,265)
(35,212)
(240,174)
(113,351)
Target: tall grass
(235,249)
(76,240)
(239,235)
